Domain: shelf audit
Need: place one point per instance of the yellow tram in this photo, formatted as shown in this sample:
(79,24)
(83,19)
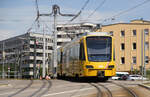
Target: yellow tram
(91,55)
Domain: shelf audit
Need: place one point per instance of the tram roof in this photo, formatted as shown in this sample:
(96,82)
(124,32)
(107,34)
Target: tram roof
(77,39)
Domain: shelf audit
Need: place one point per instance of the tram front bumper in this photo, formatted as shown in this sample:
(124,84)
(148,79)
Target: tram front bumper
(99,73)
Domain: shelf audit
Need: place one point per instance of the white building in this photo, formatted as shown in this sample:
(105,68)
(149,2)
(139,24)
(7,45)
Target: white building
(24,54)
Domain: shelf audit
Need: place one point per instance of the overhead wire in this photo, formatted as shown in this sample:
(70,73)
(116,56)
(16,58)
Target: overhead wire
(100,5)
(37,17)
(83,7)
(125,11)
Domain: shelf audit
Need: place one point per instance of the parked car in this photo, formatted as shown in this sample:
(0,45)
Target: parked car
(136,77)
(120,76)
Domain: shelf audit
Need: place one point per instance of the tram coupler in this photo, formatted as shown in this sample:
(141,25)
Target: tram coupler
(100,74)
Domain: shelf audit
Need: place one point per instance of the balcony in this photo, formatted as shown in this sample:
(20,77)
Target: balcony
(27,65)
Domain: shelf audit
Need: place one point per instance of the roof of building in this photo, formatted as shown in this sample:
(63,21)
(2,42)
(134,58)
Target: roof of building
(76,24)
(22,35)
(132,22)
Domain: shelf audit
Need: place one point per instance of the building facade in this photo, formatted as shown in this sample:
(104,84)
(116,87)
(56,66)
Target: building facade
(22,56)
(67,32)
(129,44)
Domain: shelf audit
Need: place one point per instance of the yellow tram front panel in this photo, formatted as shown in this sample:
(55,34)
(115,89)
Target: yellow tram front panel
(91,69)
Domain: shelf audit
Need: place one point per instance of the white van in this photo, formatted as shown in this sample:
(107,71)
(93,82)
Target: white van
(120,76)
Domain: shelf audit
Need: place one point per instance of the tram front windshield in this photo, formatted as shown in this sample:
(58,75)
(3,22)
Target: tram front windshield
(99,48)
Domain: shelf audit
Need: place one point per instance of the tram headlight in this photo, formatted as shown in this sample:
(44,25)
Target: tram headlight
(111,66)
(89,66)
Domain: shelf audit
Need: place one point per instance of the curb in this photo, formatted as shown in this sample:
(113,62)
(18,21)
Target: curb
(144,86)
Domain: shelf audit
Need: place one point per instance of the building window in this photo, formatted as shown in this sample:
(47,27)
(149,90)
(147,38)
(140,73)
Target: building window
(134,60)
(134,32)
(122,60)
(146,59)
(134,46)
(58,36)
(146,45)
(111,33)
(59,43)
(122,33)
(146,31)
(122,46)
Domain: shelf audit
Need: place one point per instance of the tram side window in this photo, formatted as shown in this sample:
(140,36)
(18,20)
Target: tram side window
(82,54)
(75,51)
(61,58)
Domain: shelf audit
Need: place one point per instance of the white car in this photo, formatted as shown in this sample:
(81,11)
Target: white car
(136,77)
(120,76)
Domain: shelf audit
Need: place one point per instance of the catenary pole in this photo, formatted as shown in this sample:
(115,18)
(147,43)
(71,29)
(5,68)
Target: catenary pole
(144,53)
(3,71)
(55,12)
(43,69)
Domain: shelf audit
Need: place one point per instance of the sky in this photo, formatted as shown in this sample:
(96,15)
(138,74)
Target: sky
(17,16)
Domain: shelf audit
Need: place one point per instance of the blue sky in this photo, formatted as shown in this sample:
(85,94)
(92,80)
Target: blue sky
(16,16)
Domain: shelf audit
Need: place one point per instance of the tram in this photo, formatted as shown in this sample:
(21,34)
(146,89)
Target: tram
(90,55)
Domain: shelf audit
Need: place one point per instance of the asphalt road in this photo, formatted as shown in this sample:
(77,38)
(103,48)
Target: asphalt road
(65,88)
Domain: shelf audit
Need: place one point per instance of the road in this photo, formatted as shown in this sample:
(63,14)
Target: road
(65,88)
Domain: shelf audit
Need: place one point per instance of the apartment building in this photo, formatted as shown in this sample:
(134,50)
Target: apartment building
(67,32)
(128,40)
(22,56)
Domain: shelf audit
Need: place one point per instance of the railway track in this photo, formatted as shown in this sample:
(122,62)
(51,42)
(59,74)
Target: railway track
(99,93)
(44,88)
(37,92)
(47,89)
(127,89)
(21,90)
(110,93)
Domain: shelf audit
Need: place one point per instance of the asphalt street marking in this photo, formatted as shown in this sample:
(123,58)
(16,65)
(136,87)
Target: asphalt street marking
(68,91)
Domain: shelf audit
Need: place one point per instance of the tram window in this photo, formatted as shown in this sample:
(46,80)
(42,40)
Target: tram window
(114,54)
(82,54)
(61,57)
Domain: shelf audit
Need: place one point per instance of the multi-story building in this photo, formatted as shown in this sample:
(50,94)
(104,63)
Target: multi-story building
(129,40)
(67,32)
(23,55)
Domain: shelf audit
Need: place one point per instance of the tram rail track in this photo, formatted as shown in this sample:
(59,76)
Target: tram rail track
(43,89)
(37,91)
(47,89)
(21,90)
(127,89)
(109,93)
(100,93)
